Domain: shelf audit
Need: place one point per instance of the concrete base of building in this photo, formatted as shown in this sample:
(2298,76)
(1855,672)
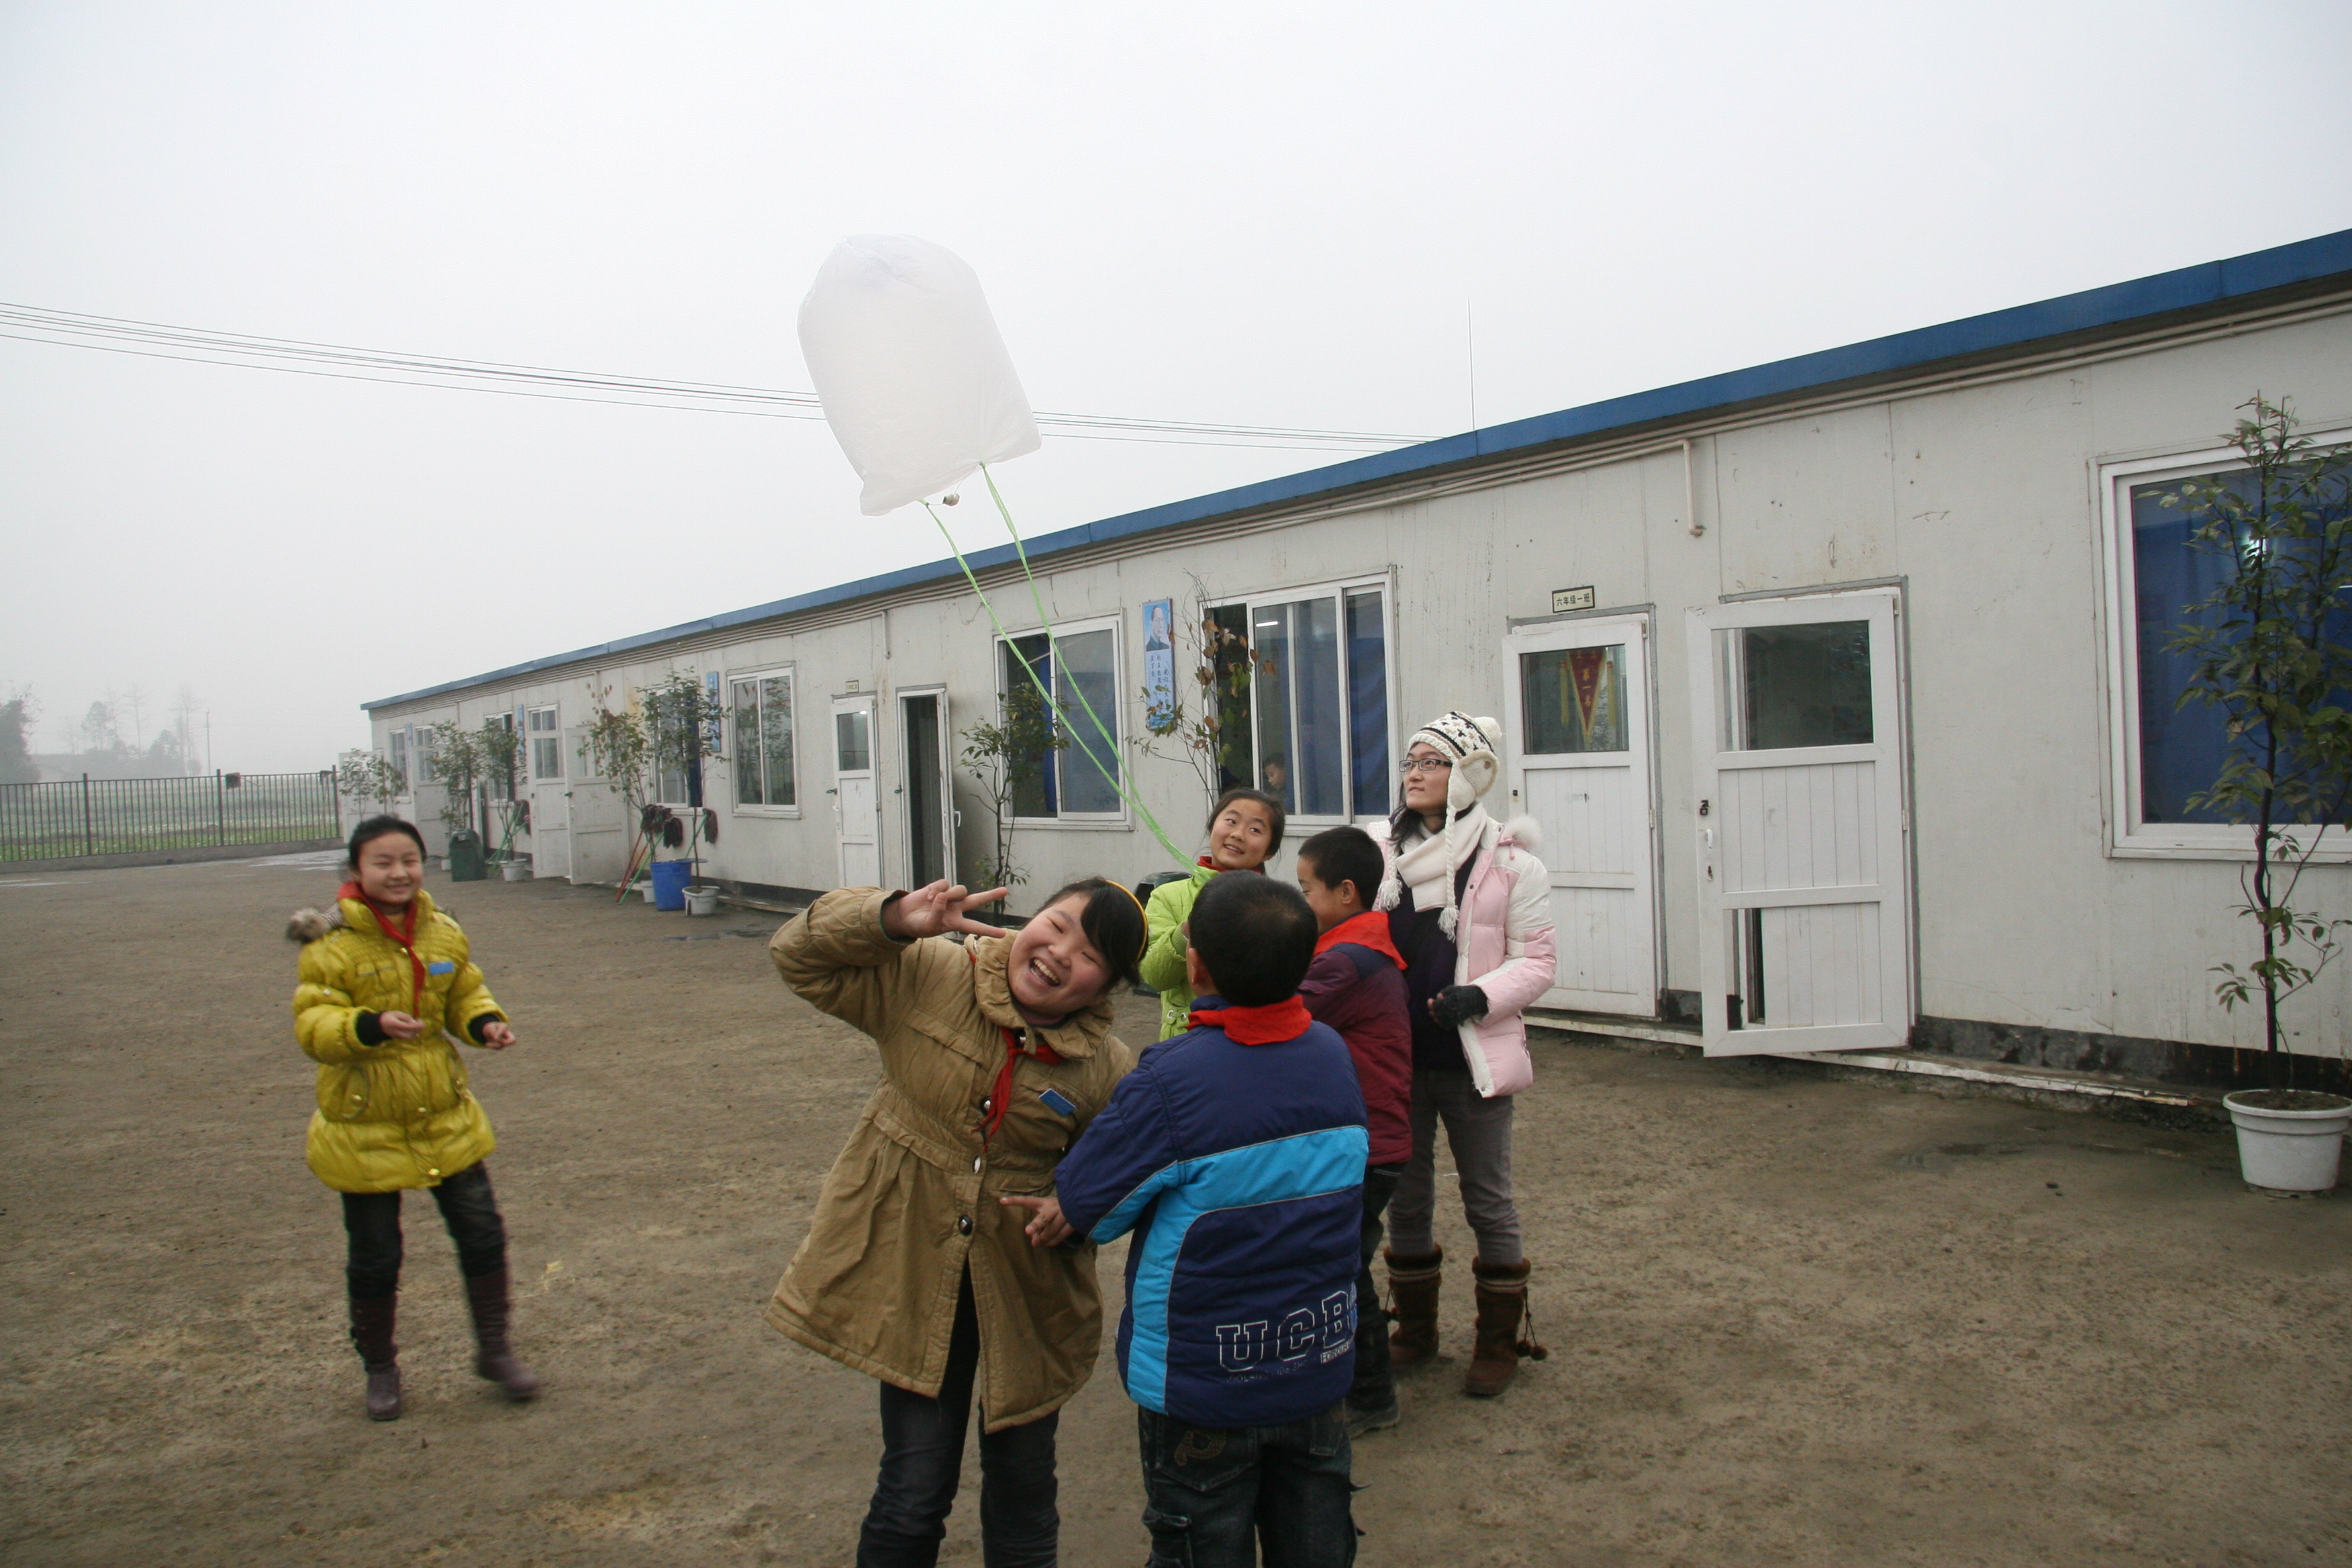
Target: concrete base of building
(2161,1082)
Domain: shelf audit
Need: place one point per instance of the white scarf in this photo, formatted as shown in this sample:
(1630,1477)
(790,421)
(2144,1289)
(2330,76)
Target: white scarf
(1428,864)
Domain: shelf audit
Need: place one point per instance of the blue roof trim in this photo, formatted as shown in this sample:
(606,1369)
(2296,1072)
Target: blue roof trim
(2191,288)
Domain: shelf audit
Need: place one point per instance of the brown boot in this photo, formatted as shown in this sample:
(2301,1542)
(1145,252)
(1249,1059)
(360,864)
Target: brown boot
(372,1335)
(1414,1280)
(1502,1291)
(494,1359)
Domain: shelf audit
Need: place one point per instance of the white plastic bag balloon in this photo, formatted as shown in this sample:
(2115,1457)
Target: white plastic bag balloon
(910,368)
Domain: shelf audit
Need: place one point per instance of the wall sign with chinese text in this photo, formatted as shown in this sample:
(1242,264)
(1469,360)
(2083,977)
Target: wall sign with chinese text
(1158,661)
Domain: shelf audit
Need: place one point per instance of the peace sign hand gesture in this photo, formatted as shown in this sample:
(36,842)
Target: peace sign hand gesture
(936,910)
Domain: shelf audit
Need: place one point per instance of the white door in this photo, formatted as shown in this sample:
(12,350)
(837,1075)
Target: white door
(857,806)
(1803,891)
(1580,697)
(551,800)
(928,794)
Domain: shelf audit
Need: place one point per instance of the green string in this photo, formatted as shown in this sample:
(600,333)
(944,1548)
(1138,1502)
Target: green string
(1037,598)
(1116,771)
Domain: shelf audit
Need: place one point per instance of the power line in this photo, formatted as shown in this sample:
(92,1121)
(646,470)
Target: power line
(342,362)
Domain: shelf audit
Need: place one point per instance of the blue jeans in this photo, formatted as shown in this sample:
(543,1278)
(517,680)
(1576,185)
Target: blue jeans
(922,1450)
(1375,1384)
(1212,1496)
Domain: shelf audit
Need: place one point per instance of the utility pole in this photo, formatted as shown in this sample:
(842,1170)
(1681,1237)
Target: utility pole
(208,741)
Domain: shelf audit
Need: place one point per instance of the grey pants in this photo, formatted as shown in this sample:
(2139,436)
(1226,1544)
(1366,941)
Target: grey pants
(1478,1132)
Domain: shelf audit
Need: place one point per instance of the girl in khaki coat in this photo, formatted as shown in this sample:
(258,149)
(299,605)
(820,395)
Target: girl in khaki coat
(918,1270)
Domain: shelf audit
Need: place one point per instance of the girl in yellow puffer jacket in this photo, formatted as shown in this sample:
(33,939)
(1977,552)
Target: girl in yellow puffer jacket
(385,980)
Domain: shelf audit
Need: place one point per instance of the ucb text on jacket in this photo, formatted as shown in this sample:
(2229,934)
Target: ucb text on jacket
(1242,1168)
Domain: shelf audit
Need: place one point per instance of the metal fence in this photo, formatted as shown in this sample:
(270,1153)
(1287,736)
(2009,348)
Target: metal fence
(113,817)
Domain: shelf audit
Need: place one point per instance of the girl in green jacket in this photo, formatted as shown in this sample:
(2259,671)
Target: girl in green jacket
(1244,831)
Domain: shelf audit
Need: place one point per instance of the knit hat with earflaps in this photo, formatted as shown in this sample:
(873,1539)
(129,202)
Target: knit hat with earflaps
(1471,745)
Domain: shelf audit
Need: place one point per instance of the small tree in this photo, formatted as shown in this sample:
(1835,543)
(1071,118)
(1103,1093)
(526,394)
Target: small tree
(682,722)
(455,762)
(1202,734)
(1005,756)
(18,714)
(2271,648)
(616,746)
(500,751)
(363,776)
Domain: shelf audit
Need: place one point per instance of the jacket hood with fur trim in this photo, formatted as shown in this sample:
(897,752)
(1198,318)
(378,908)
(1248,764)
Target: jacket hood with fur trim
(307,926)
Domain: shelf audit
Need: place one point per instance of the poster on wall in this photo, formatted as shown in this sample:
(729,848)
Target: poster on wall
(1158,661)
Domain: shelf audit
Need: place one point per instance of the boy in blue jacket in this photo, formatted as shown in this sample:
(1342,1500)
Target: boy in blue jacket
(1235,1152)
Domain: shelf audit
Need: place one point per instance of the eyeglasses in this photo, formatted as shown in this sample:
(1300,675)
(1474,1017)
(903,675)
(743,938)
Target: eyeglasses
(1426,765)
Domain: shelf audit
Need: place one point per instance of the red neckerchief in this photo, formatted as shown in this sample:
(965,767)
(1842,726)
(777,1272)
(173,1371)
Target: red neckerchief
(1366,930)
(1213,865)
(405,933)
(1001,1097)
(1267,1026)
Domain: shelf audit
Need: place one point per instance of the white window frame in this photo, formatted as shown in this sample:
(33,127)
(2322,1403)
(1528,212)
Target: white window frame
(735,740)
(2129,838)
(1337,589)
(1121,820)
(533,735)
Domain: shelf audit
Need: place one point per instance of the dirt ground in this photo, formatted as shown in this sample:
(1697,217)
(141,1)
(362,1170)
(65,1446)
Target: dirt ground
(1791,1321)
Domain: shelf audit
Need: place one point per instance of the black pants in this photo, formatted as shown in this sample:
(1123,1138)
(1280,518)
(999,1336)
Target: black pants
(1214,1496)
(1375,1384)
(922,1450)
(469,1207)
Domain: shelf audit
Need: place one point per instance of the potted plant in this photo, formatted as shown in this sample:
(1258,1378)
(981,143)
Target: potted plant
(667,730)
(498,754)
(615,746)
(2271,649)
(683,728)
(1006,755)
(455,762)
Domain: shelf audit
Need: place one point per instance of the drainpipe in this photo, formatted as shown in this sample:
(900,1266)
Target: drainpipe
(1690,492)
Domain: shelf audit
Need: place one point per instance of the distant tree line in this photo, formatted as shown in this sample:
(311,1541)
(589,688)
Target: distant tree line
(125,734)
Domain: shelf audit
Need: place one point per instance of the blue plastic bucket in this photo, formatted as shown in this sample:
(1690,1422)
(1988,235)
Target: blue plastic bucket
(670,878)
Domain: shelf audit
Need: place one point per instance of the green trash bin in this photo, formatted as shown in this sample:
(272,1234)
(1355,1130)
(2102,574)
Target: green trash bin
(465,862)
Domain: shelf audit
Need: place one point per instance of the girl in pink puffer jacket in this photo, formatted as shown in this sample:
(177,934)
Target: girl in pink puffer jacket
(1470,908)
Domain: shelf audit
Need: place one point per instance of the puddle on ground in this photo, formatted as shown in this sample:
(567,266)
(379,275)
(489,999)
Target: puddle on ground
(1944,1156)
(761,932)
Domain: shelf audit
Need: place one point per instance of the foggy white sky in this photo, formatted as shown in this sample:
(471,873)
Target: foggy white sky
(1268,214)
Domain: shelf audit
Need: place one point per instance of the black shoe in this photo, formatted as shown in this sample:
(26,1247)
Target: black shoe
(384,1393)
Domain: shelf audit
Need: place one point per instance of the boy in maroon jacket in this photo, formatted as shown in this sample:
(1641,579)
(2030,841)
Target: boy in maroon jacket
(1356,985)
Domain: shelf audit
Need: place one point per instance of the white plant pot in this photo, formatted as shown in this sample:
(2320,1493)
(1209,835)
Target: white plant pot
(2288,1151)
(702,901)
(515,871)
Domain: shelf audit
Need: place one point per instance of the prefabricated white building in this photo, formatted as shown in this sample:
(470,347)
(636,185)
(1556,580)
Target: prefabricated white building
(1836,685)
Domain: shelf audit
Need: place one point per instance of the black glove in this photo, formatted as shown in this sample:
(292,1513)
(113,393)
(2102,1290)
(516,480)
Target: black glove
(1458,1004)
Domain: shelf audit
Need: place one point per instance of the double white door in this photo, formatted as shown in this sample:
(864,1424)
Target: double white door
(1580,697)
(1803,856)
